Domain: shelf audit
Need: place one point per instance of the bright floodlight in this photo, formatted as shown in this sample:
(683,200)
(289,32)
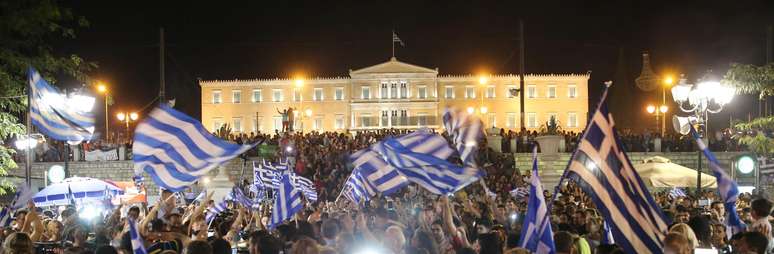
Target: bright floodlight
(133,116)
(483,80)
(81,103)
(308,112)
(680,92)
(26,143)
(471,110)
(651,109)
(56,173)
(663,108)
(299,83)
(89,212)
(484,110)
(101,87)
(745,164)
(121,116)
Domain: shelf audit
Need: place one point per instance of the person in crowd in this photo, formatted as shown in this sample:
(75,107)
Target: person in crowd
(677,243)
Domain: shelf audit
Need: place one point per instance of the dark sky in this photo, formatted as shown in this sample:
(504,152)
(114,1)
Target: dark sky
(266,39)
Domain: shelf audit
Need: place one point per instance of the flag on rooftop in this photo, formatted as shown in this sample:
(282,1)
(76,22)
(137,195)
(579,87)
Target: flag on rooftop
(466,131)
(395,39)
(421,157)
(138,245)
(287,203)
(603,170)
(536,233)
(727,187)
(61,117)
(175,149)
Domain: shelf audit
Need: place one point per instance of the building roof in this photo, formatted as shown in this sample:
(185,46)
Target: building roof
(393,66)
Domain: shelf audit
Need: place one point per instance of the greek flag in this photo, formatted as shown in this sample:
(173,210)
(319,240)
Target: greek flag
(465,131)
(216,209)
(238,196)
(520,193)
(396,39)
(676,193)
(305,186)
(23,195)
(287,203)
(379,174)
(536,233)
(607,235)
(421,157)
(201,196)
(175,149)
(603,170)
(5,217)
(138,247)
(357,188)
(265,176)
(61,117)
(727,187)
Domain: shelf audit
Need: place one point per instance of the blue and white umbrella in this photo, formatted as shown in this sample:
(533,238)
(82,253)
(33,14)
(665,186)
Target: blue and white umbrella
(84,190)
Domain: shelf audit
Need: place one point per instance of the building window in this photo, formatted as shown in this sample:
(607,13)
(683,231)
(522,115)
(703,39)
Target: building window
(257,96)
(572,91)
(422,119)
(490,92)
(276,96)
(572,119)
(393,90)
(339,122)
(403,90)
(470,92)
(384,121)
(449,92)
(365,93)
(277,123)
(383,93)
(551,91)
(237,125)
(510,120)
(318,94)
(422,92)
(365,120)
(339,95)
(532,120)
(491,119)
(512,92)
(236,96)
(216,124)
(318,123)
(216,98)
(403,117)
(297,95)
(531,91)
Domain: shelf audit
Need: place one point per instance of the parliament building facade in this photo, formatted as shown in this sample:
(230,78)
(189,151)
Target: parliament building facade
(394,94)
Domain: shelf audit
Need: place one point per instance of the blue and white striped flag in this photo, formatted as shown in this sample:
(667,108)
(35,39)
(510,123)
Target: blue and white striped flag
(216,209)
(727,187)
(306,186)
(536,233)
(607,234)
(466,131)
(266,175)
(5,217)
(138,246)
(57,115)
(357,188)
(421,157)
(287,203)
(519,193)
(238,196)
(603,170)
(382,176)
(23,195)
(676,193)
(176,150)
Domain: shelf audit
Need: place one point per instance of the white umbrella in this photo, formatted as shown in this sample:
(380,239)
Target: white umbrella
(82,190)
(660,172)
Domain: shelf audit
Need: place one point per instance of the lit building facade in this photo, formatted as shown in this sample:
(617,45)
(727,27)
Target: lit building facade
(393,94)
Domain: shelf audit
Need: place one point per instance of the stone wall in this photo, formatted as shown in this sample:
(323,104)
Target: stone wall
(551,167)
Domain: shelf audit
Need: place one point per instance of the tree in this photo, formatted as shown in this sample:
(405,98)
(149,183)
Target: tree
(26,29)
(752,79)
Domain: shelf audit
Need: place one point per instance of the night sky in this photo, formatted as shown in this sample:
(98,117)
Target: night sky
(267,39)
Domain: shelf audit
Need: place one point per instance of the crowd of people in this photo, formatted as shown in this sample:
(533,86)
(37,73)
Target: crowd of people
(409,221)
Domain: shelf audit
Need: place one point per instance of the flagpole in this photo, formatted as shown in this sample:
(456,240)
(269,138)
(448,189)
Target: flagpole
(28,160)
(393,43)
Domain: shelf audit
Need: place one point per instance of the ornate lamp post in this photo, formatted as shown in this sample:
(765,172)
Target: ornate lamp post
(708,96)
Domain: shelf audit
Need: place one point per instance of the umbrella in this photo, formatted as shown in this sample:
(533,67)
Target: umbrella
(660,172)
(83,189)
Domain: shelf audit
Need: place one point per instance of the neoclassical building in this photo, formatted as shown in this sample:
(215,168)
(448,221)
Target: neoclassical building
(394,94)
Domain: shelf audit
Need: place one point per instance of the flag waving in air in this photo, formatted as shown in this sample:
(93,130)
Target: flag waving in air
(602,169)
(61,117)
(175,149)
(536,233)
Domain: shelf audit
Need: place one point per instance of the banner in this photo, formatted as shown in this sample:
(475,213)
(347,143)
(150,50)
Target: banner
(99,155)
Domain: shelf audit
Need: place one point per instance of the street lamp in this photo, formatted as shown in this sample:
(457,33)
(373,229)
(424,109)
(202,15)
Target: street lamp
(709,96)
(102,88)
(659,112)
(126,118)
